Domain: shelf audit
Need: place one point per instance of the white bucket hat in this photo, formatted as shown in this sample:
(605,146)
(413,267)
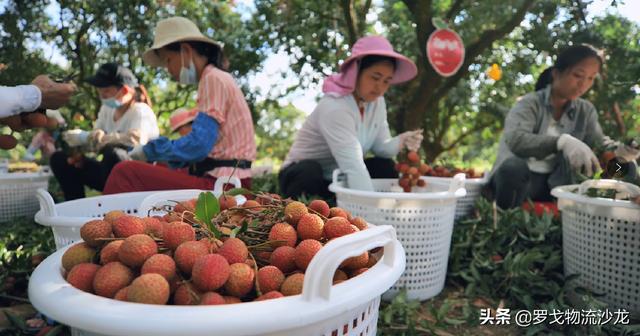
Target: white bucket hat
(173,29)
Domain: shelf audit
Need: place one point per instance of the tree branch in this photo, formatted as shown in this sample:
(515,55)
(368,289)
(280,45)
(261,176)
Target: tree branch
(476,48)
(465,134)
(350,21)
(454,10)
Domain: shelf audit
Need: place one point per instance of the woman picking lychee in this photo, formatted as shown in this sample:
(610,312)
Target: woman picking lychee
(222,138)
(350,121)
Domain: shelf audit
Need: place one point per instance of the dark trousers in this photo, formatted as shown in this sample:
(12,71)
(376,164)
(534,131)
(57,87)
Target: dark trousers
(305,177)
(91,172)
(513,182)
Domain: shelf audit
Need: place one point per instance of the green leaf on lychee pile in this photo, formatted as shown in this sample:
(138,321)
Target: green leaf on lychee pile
(57,330)
(239,229)
(15,320)
(207,208)
(238,191)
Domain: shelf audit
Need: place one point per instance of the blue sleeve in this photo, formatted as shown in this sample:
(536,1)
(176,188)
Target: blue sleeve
(193,147)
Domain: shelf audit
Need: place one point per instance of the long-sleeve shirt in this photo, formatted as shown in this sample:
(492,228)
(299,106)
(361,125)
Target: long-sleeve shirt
(18,99)
(526,127)
(336,135)
(136,126)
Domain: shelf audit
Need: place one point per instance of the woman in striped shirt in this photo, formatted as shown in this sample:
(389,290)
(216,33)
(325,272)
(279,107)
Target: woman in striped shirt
(222,139)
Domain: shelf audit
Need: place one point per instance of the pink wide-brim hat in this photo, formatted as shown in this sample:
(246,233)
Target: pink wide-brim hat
(181,117)
(344,81)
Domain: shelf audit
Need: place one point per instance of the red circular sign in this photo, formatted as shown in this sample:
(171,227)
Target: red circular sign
(445,51)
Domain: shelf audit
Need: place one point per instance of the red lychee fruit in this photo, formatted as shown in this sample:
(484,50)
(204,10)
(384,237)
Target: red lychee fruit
(353,263)
(109,252)
(231,299)
(151,288)
(210,272)
(413,157)
(360,223)
(91,231)
(187,253)
(292,285)
(320,207)
(269,296)
(211,298)
(81,276)
(240,280)
(177,233)
(153,227)
(186,295)
(294,211)
(77,254)
(121,295)
(110,278)
(234,250)
(337,227)
(284,232)
(305,252)
(112,215)
(310,226)
(252,205)
(227,202)
(270,278)
(357,272)
(136,249)
(284,258)
(339,212)
(160,264)
(339,275)
(125,226)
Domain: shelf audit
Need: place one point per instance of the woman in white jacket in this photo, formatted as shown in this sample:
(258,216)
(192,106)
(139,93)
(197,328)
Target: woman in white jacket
(350,121)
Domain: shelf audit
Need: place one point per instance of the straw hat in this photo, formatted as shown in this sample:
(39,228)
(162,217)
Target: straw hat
(174,29)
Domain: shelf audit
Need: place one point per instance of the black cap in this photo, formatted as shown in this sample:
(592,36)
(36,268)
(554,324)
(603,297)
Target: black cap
(112,74)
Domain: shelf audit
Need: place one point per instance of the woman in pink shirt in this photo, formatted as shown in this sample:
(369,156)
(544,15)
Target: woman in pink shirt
(222,139)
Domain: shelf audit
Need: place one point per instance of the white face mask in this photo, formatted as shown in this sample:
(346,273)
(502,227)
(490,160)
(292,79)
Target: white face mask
(187,75)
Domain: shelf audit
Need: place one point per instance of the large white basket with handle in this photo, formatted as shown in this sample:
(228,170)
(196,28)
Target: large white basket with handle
(467,203)
(66,218)
(601,242)
(349,308)
(18,193)
(423,220)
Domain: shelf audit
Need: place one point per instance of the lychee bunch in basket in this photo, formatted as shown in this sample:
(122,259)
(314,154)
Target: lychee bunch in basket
(210,251)
(410,168)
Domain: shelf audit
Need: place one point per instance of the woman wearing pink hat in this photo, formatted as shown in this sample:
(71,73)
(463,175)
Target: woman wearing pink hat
(222,139)
(349,122)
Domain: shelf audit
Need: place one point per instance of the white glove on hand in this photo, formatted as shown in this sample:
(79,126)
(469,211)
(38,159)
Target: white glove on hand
(76,137)
(411,139)
(579,155)
(627,153)
(137,153)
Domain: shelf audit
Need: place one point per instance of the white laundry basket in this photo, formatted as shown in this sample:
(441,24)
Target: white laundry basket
(467,203)
(66,218)
(18,193)
(601,242)
(349,308)
(423,221)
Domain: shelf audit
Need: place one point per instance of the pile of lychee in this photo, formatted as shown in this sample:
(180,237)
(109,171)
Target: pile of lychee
(159,260)
(410,169)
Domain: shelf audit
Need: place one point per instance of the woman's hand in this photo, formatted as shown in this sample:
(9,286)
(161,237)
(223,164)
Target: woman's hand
(412,140)
(578,154)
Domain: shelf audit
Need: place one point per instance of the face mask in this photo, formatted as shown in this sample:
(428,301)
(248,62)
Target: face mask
(111,102)
(187,75)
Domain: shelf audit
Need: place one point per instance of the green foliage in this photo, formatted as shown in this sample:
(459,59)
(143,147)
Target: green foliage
(207,207)
(275,130)
(266,183)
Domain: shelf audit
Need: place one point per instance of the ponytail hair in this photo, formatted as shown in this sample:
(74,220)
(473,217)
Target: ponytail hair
(142,96)
(213,52)
(568,59)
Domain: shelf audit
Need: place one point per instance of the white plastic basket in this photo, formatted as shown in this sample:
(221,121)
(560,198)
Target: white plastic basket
(18,193)
(423,221)
(601,242)
(66,218)
(467,203)
(349,308)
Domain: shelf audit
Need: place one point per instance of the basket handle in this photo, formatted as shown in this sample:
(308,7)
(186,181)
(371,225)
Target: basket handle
(336,175)
(221,181)
(629,188)
(318,279)
(47,205)
(456,186)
